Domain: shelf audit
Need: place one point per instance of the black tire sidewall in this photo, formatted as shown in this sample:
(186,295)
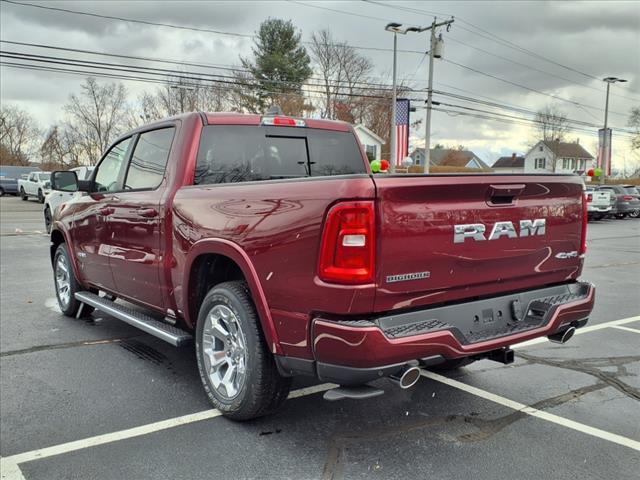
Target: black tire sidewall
(72,308)
(47,219)
(247,318)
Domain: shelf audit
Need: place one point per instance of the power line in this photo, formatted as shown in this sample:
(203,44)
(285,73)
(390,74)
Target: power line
(490,36)
(577,104)
(231,81)
(177,27)
(535,69)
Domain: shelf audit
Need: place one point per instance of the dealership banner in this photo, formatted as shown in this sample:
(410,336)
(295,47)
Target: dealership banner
(604,150)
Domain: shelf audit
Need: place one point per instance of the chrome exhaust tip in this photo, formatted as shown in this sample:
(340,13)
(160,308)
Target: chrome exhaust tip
(563,336)
(407,377)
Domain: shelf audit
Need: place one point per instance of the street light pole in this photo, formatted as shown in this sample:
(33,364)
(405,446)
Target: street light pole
(606,157)
(396,28)
(394,133)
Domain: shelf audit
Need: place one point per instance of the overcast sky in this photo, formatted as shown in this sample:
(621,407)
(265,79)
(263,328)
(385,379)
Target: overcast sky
(595,38)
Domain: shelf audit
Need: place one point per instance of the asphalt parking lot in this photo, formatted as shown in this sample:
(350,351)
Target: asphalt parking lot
(97,399)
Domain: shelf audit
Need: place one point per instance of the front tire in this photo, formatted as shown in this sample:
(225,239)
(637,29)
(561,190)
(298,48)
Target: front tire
(620,216)
(635,214)
(40,196)
(23,195)
(1,192)
(237,370)
(66,284)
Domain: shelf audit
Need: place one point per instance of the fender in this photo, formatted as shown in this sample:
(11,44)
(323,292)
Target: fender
(57,226)
(237,254)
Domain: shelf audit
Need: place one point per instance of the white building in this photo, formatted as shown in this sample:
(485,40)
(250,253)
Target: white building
(568,158)
(371,142)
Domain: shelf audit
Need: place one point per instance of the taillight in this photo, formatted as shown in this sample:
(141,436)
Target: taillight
(347,249)
(583,236)
(589,197)
(627,198)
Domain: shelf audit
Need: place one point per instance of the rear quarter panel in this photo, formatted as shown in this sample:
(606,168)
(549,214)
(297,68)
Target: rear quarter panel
(278,225)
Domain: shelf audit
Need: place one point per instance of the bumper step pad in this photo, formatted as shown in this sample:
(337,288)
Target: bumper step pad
(482,320)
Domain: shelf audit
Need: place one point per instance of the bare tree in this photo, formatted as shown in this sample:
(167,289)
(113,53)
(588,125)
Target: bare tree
(181,95)
(342,71)
(96,116)
(19,135)
(61,148)
(552,124)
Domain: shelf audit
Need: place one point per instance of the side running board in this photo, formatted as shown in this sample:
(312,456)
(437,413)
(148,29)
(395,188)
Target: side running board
(144,322)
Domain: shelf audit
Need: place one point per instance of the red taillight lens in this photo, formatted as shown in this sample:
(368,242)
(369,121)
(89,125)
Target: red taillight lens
(583,237)
(627,198)
(347,249)
(589,197)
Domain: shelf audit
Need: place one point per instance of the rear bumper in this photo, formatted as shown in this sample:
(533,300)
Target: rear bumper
(359,351)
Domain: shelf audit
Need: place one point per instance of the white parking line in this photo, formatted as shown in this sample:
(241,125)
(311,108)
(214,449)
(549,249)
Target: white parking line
(11,470)
(579,331)
(534,412)
(628,329)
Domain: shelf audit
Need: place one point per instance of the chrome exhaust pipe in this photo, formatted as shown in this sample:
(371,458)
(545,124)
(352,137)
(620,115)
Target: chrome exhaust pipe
(407,377)
(562,337)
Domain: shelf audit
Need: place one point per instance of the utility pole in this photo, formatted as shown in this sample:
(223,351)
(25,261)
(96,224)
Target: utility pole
(396,28)
(606,157)
(432,51)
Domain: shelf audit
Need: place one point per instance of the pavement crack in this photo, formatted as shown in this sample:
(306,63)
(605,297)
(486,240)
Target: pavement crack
(590,366)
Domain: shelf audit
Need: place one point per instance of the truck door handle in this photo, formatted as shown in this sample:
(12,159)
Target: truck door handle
(147,212)
(106,211)
(504,194)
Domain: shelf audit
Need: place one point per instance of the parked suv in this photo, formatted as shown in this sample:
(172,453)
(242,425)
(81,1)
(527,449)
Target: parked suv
(635,193)
(268,241)
(626,203)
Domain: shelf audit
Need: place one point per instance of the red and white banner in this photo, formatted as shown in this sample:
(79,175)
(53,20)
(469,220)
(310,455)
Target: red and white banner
(604,150)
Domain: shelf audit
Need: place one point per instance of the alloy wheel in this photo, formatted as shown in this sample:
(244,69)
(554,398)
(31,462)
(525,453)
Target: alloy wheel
(225,352)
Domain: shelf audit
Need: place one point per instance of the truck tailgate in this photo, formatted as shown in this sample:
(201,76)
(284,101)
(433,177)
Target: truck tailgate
(448,238)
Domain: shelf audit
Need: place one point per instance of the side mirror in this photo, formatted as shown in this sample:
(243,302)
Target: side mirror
(64,181)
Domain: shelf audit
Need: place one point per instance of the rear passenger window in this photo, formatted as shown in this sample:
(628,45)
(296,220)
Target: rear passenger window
(230,154)
(149,159)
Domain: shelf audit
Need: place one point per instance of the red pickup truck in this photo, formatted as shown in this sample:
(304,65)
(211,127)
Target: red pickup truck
(269,240)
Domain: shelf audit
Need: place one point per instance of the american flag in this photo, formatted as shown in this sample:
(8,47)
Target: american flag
(402,130)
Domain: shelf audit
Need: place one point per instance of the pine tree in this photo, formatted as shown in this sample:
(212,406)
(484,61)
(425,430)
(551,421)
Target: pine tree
(278,70)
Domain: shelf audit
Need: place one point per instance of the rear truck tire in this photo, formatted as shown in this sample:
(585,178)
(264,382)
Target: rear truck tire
(23,195)
(47,219)
(66,284)
(237,370)
(452,364)
(40,196)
